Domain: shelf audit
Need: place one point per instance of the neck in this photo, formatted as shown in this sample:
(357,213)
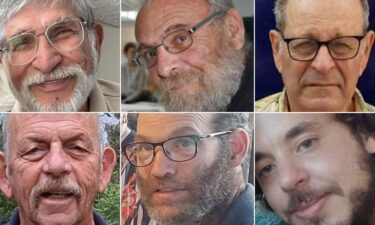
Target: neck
(220,211)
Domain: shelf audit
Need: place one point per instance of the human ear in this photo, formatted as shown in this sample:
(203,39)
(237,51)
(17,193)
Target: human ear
(108,162)
(239,142)
(368,41)
(99,33)
(4,181)
(275,39)
(235,28)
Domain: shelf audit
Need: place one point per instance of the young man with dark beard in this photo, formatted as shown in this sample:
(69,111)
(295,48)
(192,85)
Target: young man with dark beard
(192,168)
(317,169)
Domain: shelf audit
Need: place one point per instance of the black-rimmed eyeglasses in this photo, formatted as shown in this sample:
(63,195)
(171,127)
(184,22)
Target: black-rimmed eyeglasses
(340,48)
(178,149)
(175,42)
(64,35)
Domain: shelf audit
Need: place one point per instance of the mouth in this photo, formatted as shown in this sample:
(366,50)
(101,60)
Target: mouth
(310,208)
(56,195)
(169,194)
(53,85)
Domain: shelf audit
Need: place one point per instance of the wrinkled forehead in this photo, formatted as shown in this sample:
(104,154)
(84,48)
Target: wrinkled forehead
(41,16)
(159,126)
(18,121)
(158,18)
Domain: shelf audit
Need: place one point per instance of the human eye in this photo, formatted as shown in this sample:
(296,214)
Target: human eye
(179,38)
(265,169)
(184,142)
(306,144)
(35,152)
(76,149)
(149,53)
(343,45)
(22,42)
(64,29)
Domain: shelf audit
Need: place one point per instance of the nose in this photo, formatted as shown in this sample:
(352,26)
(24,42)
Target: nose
(162,166)
(167,62)
(46,56)
(323,61)
(292,175)
(57,161)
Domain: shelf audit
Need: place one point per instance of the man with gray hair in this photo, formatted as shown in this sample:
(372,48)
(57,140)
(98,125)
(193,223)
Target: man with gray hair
(52,62)
(195,52)
(195,169)
(320,48)
(54,166)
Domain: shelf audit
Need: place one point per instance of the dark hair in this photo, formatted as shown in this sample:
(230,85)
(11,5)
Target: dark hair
(128,46)
(358,123)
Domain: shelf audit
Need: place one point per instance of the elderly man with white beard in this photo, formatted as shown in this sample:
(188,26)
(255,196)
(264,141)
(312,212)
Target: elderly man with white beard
(52,63)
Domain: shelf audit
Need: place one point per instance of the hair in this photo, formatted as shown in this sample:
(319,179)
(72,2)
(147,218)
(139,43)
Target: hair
(129,46)
(102,133)
(359,124)
(280,9)
(9,8)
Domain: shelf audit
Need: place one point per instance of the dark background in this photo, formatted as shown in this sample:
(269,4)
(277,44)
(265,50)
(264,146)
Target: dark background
(268,80)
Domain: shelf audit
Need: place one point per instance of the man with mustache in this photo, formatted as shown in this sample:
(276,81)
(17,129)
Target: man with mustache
(52,62)
(316,169)
(192,168)
(195,53)
(320,48)
(53,166)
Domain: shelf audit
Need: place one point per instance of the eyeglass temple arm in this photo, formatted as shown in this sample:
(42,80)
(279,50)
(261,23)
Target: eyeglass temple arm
(200,24)
(216,134)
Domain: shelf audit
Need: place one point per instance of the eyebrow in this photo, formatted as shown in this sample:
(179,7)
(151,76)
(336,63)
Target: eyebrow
(300,128)
(180,130)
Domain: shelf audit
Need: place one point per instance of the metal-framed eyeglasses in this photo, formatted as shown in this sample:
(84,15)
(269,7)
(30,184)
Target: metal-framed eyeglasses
(175,42)
(177,149)
(340,48)
(64,35)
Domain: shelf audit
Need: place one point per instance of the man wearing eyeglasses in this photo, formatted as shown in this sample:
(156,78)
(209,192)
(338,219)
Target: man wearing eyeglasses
(195,53)
(192,168)
(50,51)
(320,48)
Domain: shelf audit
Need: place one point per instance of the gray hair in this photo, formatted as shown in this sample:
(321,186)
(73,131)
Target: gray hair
(217,5)
(102,133)
(280,8)
(9,8)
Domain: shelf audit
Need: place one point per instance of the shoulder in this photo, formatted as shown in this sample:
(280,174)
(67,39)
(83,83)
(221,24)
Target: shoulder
(109,88)
(269,104)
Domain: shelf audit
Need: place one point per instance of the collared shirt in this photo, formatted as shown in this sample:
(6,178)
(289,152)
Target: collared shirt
(15,219)
(105,97)
(279,103)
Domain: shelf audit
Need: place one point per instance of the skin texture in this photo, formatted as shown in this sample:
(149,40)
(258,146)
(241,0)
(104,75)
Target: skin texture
(186,74)
(48,58)
(200,189)
(323,84)
(311,169)
(55,153)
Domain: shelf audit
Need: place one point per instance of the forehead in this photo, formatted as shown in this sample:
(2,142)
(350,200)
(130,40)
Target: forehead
(165,125)
(159,18)
(56,121)
(272,126)
(320,15)
(40,15)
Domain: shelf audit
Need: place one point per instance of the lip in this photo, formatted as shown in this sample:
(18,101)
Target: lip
(54,85)
(310,209)
(169,194)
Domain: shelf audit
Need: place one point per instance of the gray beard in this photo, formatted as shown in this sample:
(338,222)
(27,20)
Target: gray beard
(220,84)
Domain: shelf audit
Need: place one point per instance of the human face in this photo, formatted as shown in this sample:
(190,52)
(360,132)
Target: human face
(53,78)
(310,168)
(54,167)
(182,192)
(205,76)
(322,84)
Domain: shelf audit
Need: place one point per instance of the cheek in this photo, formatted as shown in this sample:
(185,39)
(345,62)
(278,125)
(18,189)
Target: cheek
(17,74)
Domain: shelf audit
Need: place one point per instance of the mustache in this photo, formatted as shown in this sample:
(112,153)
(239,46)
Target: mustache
(177,79)
(299,197)
(60,73)
(62,185)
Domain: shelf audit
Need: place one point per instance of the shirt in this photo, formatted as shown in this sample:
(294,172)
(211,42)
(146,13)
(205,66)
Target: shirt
(279,103)
(15,219)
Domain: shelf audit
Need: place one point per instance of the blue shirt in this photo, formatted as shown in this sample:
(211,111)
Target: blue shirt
(241,211)
(15,219)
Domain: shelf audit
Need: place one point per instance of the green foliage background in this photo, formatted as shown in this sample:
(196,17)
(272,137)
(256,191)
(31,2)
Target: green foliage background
(108,203)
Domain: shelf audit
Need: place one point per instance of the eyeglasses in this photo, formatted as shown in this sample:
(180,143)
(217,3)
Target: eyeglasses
(175,42)
(64,35)
(340,48)
(177,149)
